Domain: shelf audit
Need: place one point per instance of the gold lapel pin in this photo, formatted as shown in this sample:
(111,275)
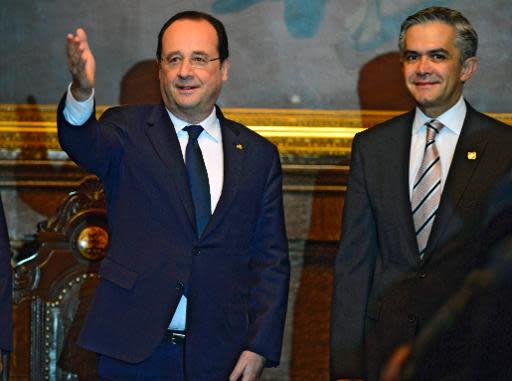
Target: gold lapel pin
(240,147)
(471,155)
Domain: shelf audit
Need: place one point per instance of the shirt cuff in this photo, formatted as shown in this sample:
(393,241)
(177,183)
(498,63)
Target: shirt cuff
(75,112)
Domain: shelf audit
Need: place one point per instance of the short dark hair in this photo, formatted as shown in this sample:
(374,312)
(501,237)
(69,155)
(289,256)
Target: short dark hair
(466,38)
(222,36)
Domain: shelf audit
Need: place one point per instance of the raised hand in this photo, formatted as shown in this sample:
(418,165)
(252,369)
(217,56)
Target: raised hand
(81,64)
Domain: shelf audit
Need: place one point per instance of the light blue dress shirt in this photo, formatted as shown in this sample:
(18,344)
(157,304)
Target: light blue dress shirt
(446,140)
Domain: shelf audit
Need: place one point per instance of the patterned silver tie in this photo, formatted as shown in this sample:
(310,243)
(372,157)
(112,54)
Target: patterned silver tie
(426,191)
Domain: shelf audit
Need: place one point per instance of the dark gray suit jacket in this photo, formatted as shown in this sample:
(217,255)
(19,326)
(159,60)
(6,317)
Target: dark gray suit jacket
(383,293)
(477,319)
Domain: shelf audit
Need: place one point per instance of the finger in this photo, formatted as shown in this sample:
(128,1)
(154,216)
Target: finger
(237,371)
(80,34)
(76,62)
(252,371)
(73,50)
(249,375)
(78,41)
(71,45)
(78,52)
(81,37)
(394,367)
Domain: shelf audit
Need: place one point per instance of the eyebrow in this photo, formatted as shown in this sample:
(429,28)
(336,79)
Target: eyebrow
(428,52)
(195,52)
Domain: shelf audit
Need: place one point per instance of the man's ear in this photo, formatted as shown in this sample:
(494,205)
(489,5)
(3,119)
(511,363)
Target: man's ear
(157,62)
(225,68)
(469,67)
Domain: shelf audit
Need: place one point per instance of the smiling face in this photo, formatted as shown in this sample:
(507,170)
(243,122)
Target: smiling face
(432,67)
(190,92)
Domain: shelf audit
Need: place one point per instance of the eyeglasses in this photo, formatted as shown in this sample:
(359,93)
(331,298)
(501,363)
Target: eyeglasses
(198,61)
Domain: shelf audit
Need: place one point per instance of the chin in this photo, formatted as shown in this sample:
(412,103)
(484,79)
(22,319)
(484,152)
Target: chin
(424,101)
(187,104)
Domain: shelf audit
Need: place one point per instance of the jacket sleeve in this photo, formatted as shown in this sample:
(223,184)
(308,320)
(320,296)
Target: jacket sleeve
(270,272)
(95,145)
(5,286)
(353,273)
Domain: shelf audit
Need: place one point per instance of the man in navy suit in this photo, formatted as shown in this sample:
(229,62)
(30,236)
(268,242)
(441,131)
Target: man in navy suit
(181,297)
(395,269)
(5,290)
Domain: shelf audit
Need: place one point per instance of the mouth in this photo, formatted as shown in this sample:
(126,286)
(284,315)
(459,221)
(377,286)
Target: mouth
(186,89)
(424,84)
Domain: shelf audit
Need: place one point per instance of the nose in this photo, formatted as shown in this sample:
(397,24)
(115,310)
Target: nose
(185,69)
(423,66)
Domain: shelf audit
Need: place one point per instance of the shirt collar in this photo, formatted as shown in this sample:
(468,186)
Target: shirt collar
(453,118)
(211,125)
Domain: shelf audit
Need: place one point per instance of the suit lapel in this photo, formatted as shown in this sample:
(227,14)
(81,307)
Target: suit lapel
(234,148)
(160,132)
(473,139)
(398,166)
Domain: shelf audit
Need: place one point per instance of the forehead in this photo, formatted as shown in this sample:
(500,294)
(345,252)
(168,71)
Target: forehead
(429,36)
(188,36)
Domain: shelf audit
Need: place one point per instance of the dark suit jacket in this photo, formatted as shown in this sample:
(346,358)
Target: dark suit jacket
(236,275)
(5,286)
(476,320)
(383,293)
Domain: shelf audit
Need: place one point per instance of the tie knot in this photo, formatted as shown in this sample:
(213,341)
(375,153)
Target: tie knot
(194,131)
(433,128)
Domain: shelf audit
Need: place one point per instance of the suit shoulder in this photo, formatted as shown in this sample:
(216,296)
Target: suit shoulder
(130,118)
(129,111)
(495,132)
(248,134)
(482,118)
(389,127)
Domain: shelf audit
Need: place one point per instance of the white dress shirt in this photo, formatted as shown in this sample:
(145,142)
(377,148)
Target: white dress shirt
(210,142)
(446,140)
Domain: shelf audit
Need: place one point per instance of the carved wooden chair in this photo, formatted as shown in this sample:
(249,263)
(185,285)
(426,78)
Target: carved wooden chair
(53,286)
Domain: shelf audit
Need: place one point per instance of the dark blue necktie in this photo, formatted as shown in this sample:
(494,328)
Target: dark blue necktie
(198,178)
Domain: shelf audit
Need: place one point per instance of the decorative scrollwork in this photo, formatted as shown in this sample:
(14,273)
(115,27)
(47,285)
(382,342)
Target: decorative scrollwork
(90,195)
(25,279)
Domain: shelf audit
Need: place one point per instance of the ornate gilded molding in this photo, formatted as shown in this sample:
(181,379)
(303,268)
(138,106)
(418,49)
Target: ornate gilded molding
(296,132)
(309,141)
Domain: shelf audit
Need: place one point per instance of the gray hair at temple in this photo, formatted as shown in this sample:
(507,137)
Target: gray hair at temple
(466,38)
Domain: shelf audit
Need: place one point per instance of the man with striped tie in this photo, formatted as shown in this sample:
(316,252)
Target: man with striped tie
(418,190)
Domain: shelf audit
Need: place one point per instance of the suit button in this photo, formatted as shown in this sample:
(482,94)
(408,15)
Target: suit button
(196,251)
(422,274)
(179,286)
(411,318)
